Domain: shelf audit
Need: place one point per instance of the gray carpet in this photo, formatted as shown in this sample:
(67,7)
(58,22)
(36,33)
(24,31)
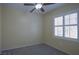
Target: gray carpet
(40,49)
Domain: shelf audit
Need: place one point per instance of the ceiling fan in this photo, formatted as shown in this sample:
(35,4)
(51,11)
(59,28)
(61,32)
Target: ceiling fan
(38,6)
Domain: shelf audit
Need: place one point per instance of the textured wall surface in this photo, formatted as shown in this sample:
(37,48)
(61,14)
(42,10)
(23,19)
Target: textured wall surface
(20,28)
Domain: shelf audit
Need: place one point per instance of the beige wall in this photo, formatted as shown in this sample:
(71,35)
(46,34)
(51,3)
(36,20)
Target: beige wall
(0,26)
(66,45)
(20,28)
(24,29)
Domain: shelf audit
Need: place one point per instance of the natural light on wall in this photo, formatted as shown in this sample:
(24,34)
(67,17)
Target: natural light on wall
(66,26)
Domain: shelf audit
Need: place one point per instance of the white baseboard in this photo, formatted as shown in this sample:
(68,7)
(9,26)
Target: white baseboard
(56,48)
(22,46)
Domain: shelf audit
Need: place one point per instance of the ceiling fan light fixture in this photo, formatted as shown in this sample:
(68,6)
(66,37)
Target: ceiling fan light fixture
(38,6)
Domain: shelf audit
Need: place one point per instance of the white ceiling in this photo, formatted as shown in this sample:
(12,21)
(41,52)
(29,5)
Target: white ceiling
(20,6)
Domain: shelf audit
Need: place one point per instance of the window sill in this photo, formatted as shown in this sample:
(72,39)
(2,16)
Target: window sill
(70,39)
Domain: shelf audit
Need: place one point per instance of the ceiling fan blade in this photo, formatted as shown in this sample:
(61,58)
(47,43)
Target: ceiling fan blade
(42,10)
(28,4)
(32,10)
(48,3)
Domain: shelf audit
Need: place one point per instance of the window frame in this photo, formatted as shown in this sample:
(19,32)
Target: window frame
(63,15)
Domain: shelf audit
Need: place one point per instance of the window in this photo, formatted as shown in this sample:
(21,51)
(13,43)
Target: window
(66,26)
(59,26)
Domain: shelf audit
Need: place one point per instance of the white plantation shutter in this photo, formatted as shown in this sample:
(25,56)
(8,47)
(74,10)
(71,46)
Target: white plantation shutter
(66,26)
